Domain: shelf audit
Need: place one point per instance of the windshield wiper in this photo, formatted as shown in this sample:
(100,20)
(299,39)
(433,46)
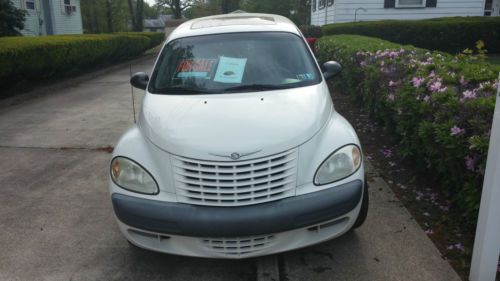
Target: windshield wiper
(256,87)
(183,90)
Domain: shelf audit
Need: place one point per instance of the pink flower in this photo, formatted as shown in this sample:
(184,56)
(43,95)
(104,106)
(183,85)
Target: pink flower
(382,63)
(387,152)
(469,95)
(391,97)
(427,98)
(456,131)
(435,86)
(393,54)
(469,163)
(444,208)
(429,231)
(462,81)
(443,89)
(417,81)
(432,74)
(392,83)
(457,246)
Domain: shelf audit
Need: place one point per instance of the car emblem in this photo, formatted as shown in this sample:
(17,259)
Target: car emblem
(235,155)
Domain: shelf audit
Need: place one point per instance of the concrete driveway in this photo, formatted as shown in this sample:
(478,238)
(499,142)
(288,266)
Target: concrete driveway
(57,222)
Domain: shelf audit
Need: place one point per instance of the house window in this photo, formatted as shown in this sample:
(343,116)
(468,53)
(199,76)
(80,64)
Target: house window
(67,2)
(314,5)
(330,2)
(30,4)
(410,3)
(322,4)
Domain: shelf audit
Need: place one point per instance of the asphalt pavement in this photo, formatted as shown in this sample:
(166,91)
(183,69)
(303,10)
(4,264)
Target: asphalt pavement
(56,217)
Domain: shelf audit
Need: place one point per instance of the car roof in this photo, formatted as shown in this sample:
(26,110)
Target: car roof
(230,23)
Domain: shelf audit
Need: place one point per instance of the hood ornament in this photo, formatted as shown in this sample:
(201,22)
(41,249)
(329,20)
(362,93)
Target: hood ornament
(235,155)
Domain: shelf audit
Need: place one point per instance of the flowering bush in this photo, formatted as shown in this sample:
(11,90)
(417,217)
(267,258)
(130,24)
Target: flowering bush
(311,31)
(440,106)
(312,42)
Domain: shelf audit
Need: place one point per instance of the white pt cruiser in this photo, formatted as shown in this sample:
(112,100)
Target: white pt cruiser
(238,151)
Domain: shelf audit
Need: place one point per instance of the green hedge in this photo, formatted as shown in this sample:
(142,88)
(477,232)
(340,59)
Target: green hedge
(440,106)
(451,35)
(37,58)
(156,38)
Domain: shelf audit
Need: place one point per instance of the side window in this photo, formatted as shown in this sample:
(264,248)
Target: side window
(322,4)
(330,2)
(30,4)
(67,2)
(313,4)
(410,3)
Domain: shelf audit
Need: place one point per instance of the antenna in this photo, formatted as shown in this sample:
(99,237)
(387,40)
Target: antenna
(130,77)
(132,88)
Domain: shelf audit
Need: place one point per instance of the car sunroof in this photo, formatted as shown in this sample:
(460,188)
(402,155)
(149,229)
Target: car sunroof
(236,20)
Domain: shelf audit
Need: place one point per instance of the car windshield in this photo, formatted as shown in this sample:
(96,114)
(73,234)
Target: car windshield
(234,62)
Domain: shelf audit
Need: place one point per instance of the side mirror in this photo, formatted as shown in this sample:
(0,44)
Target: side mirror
(139,80)
(331,69)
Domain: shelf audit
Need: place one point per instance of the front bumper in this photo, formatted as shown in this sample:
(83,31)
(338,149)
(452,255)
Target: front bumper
(261,219)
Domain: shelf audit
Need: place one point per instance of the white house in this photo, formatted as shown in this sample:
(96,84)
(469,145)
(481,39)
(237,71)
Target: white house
(47,17)
(334,11)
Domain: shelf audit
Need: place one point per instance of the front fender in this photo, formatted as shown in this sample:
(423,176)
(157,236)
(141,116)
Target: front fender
(336,133)
(135,146)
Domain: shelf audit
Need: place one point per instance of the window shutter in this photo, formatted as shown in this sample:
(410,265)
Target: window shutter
(431,3)
(390,3)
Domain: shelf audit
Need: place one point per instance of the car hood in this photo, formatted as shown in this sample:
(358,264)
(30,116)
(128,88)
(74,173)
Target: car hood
(212,127)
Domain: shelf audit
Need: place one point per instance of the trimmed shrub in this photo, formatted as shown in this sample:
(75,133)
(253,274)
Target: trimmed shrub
(452,35)
(156,38)
(440,106)
(36,58)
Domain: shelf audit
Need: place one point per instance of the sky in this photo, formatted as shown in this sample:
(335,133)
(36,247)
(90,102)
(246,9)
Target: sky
(150,2)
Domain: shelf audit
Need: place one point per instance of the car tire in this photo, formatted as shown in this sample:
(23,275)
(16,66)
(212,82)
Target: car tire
(363,213)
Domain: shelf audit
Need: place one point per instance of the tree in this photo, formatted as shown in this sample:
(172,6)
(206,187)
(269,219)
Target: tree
(177,6)
(279,7)
(200,8)
(296,10)
(11,19)
(100,16)
(227,6)
(136,14)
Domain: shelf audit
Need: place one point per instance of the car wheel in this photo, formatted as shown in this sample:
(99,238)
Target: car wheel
(363,213)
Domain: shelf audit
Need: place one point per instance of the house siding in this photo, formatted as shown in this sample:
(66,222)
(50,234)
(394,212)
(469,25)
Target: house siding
(31,26)
(320,16)
(344,11)
(63,23)
(60,21)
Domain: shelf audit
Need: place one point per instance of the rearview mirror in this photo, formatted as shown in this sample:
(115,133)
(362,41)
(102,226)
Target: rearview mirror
(139,80)
(331,69)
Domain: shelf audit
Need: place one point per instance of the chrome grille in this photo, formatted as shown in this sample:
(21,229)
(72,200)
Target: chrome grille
(235,183)
(238,246)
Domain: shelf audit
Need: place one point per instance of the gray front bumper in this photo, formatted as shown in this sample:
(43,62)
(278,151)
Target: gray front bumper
(266,218)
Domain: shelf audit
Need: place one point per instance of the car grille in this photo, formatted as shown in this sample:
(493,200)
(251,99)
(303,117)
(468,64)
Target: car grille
(238,246)
(235,183)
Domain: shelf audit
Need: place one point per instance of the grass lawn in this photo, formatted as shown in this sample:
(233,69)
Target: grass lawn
(494,59)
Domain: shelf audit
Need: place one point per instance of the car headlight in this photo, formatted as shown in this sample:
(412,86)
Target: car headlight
(340,164)
(131,176)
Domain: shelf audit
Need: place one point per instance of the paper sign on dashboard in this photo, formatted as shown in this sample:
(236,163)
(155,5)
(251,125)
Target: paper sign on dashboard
(230,70)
